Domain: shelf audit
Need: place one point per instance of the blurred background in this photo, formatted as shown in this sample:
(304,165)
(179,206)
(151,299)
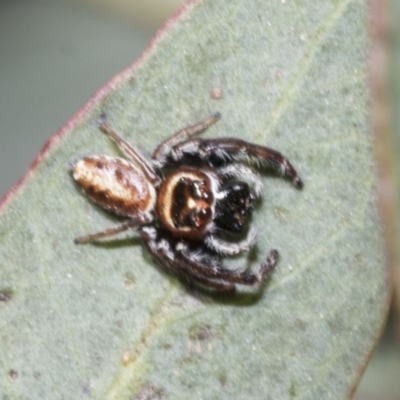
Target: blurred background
(54,55)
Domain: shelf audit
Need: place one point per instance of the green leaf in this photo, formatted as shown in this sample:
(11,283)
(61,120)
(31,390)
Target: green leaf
(102,321)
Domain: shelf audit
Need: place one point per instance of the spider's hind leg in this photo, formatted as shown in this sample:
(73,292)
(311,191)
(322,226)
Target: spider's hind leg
(168,258)
(130,224)
(232,276)
(199,267)
(130,152)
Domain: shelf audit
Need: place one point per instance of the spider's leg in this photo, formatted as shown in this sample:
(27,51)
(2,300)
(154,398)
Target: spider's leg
(223,274)
(160,250)
(231,248)
(164,148)
(131,153)
(169,260)
(131,223)
(241,171)
(219,286)
(229,149)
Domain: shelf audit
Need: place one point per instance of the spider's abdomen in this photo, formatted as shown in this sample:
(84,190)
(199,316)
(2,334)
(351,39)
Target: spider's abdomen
(115,184)
(186,203)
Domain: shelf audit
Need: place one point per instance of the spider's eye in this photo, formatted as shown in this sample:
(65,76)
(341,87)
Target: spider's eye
(198,190)
(191,208)
(235,207)
(196,218)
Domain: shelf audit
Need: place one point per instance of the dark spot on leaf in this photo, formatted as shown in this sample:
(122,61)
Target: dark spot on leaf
(86,389)
(223,379)
(200,332)
(300,325)
(371,301)
(358,261)
(292,390)
(129,281)
(5,295)
(13,374)
(150,392)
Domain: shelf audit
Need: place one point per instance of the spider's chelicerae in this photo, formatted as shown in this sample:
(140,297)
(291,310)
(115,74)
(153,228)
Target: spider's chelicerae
(190,202)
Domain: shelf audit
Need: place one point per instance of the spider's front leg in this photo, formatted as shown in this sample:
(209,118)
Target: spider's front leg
(226,248)
(241,172)
(228,149)
(164,148)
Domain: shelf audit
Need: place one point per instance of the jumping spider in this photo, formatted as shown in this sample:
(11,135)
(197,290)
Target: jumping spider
(185,201)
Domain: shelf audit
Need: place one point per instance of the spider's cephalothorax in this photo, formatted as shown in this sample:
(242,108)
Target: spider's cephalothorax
(191,201)
(186,203)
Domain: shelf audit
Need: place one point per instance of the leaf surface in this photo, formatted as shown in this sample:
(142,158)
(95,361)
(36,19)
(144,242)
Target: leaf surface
(102,321)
